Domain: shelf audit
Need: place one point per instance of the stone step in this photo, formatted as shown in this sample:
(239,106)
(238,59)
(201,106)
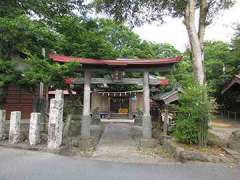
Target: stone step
(118,120)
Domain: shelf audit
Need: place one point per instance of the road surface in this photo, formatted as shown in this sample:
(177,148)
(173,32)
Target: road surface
(30,165)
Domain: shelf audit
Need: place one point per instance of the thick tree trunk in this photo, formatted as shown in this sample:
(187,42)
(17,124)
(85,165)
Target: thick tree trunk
(196,39)
(195,43)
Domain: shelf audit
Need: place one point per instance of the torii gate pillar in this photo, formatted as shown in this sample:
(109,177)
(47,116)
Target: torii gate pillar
(147,121)
(86,118)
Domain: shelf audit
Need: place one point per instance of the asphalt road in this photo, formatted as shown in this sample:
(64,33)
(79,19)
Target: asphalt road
(29,165)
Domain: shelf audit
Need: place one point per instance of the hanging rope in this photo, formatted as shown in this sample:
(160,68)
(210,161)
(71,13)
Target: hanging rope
(117,93)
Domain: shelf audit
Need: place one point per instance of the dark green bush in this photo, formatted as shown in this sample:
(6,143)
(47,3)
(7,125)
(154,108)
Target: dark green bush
(193,114)
(186,130)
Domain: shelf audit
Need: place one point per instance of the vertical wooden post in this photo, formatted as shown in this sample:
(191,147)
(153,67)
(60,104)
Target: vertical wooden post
(147,122)
(86,119)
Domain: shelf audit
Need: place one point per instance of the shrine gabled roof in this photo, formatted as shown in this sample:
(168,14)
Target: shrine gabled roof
(115,62)
(235,80)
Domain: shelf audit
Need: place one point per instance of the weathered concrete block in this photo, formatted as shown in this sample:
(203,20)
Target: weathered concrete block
(55,125)
(14,130)
(234,141)
(147,126)
(2,124)
(34,128)
(193,156)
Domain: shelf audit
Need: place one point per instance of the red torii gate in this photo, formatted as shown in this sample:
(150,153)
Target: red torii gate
(136,65)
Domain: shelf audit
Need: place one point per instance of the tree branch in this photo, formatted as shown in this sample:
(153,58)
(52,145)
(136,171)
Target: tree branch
(202,21)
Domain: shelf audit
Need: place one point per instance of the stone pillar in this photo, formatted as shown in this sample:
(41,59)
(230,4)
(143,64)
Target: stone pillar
(34,128)
(2,124)
(14,130)
(147,121)
(86,119)
(55,124)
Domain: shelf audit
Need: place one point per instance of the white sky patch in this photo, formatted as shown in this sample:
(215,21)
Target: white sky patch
(174,32)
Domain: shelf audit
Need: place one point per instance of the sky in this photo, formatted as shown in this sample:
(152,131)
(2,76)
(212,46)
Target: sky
(173,31)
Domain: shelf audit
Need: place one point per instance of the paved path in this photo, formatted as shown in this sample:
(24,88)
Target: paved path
(26,165)
(117,144)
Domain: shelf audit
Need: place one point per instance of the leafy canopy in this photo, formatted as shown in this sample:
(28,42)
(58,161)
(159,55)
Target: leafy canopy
(137,12)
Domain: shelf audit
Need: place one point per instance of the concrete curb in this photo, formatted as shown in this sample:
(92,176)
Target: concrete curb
(24,146)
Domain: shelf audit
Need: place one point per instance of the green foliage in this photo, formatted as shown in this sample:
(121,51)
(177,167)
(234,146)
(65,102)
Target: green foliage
(193,114)
(181,74)
(7,72)
(44,9)
(51,74)
(101,38)
(137,12)
(83,38)
(220,65)
(21,35)
(236,48)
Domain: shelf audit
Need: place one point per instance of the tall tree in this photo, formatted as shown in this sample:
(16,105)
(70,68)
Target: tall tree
(137,12)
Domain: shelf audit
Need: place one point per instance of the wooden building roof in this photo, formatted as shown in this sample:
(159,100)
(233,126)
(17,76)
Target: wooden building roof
(234,81)
(168,97)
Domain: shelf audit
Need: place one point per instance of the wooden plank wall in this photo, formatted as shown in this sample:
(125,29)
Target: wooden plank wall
(19,100)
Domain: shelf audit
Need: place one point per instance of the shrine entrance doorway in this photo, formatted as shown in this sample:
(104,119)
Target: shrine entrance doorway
(119,107)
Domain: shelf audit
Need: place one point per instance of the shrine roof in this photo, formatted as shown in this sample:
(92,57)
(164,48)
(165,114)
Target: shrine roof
(114,62)
(234,81)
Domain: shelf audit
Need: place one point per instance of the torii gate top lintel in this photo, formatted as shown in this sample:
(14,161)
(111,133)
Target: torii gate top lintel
(138,65)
